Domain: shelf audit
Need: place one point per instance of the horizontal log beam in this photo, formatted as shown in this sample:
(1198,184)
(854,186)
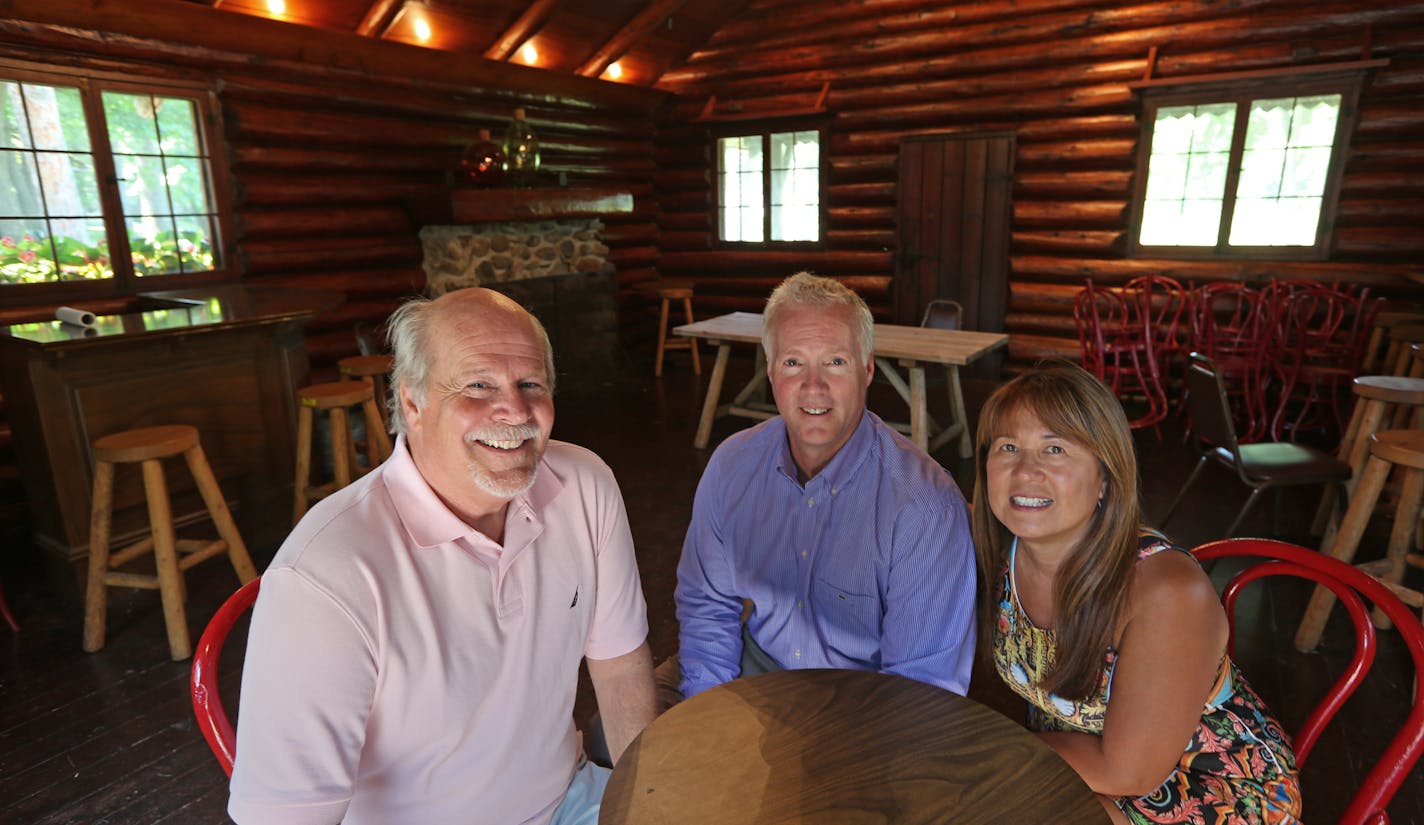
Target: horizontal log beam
(1069,242)
(786,263)
(1118,271)
(322,222)
(853,217)
(293,254)
(1070,184)
(1074,214)
(390,283)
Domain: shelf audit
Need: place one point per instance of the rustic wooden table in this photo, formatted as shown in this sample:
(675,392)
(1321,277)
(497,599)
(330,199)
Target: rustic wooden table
(840,746)
(911,348)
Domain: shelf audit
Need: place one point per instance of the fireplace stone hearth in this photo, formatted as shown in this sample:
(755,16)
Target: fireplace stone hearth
(557,269)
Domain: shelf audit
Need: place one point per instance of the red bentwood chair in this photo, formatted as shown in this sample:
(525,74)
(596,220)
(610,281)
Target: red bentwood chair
(1353,587)
(207,700)
(1118,346)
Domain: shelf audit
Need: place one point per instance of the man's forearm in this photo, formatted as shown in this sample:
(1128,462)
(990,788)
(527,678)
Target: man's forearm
(627,697)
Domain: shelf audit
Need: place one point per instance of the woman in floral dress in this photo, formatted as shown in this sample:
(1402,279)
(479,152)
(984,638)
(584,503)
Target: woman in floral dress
(1113,635)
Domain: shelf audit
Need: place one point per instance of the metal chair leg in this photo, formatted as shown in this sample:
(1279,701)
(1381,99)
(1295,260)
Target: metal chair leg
(1196,471)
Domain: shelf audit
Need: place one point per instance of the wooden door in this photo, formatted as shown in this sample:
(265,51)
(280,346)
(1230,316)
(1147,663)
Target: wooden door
(953,216)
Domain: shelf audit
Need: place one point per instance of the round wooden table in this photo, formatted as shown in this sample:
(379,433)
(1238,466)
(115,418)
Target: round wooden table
(840,746)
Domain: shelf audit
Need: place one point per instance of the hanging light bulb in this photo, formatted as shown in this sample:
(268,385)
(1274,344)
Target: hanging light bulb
(422,29)
(277,7)
(529,54)
(615,70)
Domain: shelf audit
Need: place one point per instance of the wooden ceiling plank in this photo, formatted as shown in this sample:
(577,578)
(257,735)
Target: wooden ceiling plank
(627,38)
(378,17)
(528,23)
(192,34)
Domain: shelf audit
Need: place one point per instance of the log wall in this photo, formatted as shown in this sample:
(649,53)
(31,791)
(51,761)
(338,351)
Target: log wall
(1055,72)
(324,166)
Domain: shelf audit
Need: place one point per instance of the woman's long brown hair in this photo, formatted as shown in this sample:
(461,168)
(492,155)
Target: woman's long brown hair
(1091,588)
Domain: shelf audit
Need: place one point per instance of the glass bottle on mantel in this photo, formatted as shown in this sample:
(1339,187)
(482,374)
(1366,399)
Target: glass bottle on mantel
(483,161)
(521,152)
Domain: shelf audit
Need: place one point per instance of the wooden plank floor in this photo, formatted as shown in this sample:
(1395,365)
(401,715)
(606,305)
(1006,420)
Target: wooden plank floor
(109,737)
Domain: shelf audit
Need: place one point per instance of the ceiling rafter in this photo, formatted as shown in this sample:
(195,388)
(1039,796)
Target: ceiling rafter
(528,23)
(628,37)
(379,16)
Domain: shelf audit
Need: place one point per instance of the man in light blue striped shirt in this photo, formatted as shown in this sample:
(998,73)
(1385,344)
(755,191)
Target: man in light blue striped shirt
(850,542)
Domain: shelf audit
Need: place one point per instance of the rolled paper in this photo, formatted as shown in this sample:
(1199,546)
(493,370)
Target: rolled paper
(77,317)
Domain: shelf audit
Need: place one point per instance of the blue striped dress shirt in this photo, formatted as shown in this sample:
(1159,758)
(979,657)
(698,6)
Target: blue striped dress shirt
(869,566)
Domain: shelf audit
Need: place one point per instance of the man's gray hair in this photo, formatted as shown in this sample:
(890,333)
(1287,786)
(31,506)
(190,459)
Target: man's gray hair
(806,290)
(408,332)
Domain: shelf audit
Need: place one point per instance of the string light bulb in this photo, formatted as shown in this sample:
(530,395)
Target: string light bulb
(278,7)
(615,70)
(529,53)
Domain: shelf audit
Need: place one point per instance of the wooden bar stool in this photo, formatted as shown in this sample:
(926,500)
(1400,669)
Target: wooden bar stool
(1388,449)
(667,292)
(1398,358)
(1376,398)
(147,447)
(1376,351)
(374,370)
(334,398)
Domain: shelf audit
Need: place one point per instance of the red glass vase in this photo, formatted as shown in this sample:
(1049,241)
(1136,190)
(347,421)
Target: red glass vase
(483,161)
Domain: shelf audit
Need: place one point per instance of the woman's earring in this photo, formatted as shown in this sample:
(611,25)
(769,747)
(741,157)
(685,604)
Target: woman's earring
(1100,502)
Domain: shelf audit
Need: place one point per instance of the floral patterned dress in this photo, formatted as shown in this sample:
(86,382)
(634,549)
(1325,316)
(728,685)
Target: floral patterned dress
(1238,767)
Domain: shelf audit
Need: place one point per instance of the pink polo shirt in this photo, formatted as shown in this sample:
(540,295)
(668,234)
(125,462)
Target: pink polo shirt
(402,668)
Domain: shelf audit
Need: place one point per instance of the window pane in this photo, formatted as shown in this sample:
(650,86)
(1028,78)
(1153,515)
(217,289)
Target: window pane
(195,243)
(19,185)
(82,248)
(1167,176)
(739,182)
(1206,176)
(1305,172)
(51,218)
(1172,130)
(1186,174)
(1275,222)
(177,126)
(56,118)
(154,245)
(70,186)
(186,186)
(1260,173)
(1283,171)
(12,117)
(1181,223)
(1268,126)
(26,256)
(1315,119)
(133,129)
(164,183)
(141,185)
(795,186)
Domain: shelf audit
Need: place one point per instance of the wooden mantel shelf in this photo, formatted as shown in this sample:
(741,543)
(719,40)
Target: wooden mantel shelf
(469,205)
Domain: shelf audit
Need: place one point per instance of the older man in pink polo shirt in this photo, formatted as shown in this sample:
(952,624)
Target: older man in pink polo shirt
(415,649)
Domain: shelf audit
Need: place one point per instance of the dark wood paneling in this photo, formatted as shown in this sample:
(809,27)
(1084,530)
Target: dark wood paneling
(324,158)
(1056,75)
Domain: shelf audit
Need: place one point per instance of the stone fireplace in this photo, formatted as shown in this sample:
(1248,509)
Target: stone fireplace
(487,254)
(556,265)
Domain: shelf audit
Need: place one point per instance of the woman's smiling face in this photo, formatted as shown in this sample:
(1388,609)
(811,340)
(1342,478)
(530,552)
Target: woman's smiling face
(1042,486)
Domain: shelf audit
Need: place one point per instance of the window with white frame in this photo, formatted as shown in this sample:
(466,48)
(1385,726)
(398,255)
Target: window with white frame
(104,182)
(769,187)
(1242,169)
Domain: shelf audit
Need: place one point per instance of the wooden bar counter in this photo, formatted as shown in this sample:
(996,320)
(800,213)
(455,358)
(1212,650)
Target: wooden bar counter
(226,360)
